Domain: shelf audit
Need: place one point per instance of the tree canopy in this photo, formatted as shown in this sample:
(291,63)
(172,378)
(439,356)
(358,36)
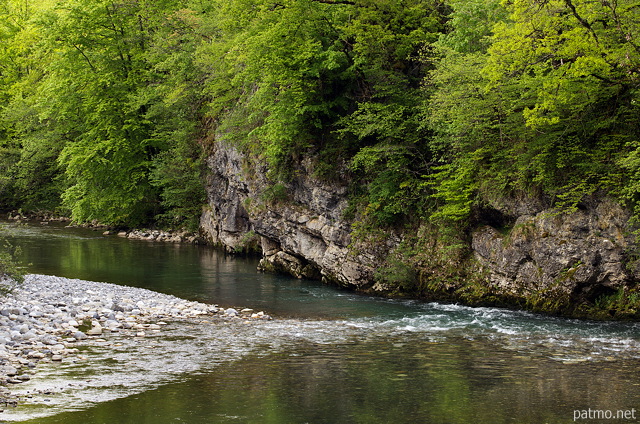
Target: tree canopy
(434,108)
(553,89)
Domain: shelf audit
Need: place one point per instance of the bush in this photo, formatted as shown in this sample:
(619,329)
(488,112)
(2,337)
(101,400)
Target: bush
(11,273)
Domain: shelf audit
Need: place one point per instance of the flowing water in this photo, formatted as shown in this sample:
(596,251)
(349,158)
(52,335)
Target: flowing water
(330,356)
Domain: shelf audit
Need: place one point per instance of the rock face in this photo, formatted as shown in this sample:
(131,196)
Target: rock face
(582,254)
(304,235)
(300,229)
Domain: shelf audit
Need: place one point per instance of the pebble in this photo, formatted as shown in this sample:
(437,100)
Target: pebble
(95,330)
(43,318)
(79,335)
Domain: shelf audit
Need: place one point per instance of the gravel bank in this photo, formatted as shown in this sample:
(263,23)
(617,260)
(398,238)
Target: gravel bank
(47,318)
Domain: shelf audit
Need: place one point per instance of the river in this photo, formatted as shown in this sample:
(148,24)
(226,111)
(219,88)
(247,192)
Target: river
(329,356)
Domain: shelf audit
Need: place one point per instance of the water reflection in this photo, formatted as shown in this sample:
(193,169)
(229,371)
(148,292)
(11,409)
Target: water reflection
(380,381)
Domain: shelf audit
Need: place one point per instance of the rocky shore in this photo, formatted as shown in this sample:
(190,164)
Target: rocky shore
(158,235)
(178,236)
(47,318)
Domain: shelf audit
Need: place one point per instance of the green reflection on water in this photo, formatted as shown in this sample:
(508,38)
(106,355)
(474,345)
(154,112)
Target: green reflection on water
(187,271)
(380,381)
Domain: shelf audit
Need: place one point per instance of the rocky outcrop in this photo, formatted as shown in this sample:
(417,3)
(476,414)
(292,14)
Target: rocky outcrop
(298,227)
(524,250)
(579,255)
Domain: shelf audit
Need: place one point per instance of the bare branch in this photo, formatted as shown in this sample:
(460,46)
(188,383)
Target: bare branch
(85,57)
(336,2)
(580,19)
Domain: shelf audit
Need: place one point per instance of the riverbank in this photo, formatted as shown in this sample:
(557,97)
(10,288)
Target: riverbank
(160,235)
(47,319)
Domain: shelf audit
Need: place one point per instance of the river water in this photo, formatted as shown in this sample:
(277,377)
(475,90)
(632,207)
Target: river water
(330,356)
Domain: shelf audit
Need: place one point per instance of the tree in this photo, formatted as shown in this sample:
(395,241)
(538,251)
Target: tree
(92,87)
(572,53)
(91,110)
(554,98)
(276,72)
(336,80)
(579,63)
(27,154)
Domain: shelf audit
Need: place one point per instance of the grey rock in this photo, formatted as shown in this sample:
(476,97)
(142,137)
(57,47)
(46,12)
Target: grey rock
(29,335)
(581,254)
(79,335)
(112,323)
(575,254)
(33,330)
(49,340)
(307,237)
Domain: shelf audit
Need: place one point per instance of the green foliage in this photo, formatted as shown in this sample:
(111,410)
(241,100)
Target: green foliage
(102,113)
(433,262)
(173,106)
(577,70)
(476,142)
(295,77)
(121,98)
(248,243)
(622,304)
(10,271)
(275,193)
(571,54)
(276,74)
(393,191)
(430,109)
(629,191)
(471,23)
(544,105)
(386,125)
(94,82)
(177,173)
(398,274)
(28,171)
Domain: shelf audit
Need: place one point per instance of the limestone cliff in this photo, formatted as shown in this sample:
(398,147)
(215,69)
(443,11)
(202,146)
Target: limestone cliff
(300,229)
(579,255)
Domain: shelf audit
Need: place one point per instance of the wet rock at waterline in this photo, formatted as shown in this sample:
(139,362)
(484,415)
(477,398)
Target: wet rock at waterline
(47,318)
